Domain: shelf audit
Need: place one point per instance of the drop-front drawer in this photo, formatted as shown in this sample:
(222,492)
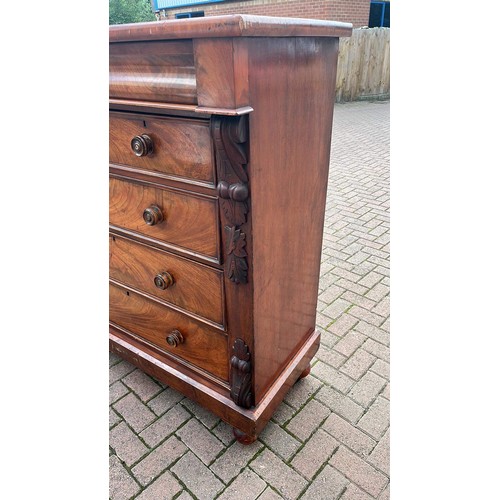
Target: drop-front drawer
(175,280)
(176,218)
(171,331)
(174,147)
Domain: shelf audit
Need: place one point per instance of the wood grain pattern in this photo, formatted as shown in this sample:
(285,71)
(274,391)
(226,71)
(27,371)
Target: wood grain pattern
(190,221)
(291,83)
(215,72)
(197,288)
(229,26)
(203,346)
(181,147)
(153,71)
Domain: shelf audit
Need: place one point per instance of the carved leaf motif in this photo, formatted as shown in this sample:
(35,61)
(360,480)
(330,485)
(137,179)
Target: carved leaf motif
(235,212)
(236,264)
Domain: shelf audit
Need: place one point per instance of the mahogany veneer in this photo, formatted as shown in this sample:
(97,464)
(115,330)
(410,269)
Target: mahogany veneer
(220,133)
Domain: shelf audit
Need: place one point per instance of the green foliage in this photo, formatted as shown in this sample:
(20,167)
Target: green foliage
(130,11)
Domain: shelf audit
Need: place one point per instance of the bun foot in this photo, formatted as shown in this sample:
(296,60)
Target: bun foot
(306,372)
(243,438)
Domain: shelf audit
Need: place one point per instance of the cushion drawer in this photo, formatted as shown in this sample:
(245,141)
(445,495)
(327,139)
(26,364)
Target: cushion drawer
(153,71)
(196,287)
(180,147)
(202,346)
(189,220)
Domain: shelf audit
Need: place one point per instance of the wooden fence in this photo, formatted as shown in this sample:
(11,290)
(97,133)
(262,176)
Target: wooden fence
(363,70)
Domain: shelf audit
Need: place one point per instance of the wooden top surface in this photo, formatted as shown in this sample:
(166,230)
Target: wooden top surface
(228,26)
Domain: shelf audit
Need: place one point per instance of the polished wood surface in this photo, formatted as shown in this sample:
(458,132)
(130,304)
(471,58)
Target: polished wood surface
(196,288)
(288,200)
(217,209)
(190,221)
(237,25)
(226,87)
(153,71)
(181,147)
(203,346)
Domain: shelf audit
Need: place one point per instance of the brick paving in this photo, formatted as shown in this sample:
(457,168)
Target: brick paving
(330,437)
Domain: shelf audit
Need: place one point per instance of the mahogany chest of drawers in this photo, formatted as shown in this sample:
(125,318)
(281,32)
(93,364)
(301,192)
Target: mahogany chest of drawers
(220,132)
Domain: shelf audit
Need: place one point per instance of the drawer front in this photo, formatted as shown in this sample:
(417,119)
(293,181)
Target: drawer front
(153,71)
(184,283)
(180,147)
(202,346)
(189,221)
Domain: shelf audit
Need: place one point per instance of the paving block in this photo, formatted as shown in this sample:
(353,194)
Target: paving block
(358,364)
(332,377)
(198,478)
(367,389)
(380,456)
(279,475)
(165,425)
(158,460)
(121,485)
(340,404)
(279,441)
(143,385)
(126,444)
(328,485)
(200,441)
(134,412)
(349,435)
(166,486)
(358,471)
(247,486)
(234,459)
(165,400)
(314,454)
(376,420)
(351,341)
(308,419)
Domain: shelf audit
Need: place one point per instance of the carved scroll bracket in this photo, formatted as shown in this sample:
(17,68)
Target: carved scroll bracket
(241,374)
(230,135)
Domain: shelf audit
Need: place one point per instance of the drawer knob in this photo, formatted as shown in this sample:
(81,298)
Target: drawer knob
(152,215)
(142,145)
(164,280)
(175,338)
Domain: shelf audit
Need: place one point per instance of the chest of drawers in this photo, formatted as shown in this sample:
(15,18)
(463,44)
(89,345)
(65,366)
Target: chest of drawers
(220,133)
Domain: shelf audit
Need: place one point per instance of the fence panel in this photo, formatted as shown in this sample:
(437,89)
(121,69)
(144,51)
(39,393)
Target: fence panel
(363,69)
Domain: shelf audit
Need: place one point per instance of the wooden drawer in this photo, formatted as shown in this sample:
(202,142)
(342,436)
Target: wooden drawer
(153,71)
(189,220)
(203,346)
(180,147)
(196,287)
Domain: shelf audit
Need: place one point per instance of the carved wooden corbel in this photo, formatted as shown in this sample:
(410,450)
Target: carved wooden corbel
(230,135)
(241,374)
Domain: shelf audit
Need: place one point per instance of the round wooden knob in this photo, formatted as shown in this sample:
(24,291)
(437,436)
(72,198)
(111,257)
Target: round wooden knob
(142,145)
(152,215)
(175,338)
(163,280)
